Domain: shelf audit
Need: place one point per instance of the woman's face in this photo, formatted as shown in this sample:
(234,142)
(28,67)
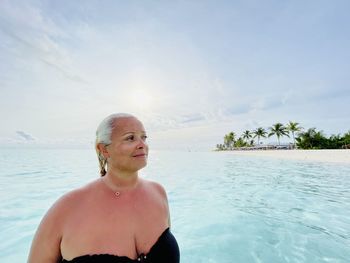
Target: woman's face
(128,150)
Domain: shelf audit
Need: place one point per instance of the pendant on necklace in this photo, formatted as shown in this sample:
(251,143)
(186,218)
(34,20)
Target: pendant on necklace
(117,194)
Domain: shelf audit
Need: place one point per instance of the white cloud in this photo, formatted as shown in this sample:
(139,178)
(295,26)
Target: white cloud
(62,74)
(25,136)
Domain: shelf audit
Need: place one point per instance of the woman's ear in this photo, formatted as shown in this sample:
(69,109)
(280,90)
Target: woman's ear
(102,148)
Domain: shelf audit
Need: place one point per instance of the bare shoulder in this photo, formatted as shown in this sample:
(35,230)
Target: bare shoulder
(160,191)
(68,202)
(46,243)
(71,199)
(156,187)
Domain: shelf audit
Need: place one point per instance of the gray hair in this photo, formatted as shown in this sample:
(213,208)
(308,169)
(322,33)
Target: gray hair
(104,136)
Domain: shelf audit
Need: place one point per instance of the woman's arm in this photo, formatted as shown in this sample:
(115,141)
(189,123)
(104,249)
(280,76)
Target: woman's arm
(162,191)
(46,243)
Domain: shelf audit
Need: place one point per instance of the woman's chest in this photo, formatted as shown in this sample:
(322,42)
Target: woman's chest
(113,227)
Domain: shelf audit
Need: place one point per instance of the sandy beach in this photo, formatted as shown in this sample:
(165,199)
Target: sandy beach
(332,156)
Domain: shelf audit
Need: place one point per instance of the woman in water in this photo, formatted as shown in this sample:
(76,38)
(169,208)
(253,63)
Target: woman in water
(119,217)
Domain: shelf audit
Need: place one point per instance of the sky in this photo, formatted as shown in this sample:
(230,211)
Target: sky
(191,71)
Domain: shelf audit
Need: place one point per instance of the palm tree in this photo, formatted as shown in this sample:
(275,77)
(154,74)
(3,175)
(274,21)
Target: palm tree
(294,127)
(311,139)
(240,142)
(247,135)
(229,140)
(259,132)
(279,130)
(220,147)
(305,138)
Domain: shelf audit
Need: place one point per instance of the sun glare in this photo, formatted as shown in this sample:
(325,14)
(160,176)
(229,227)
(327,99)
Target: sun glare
(141,99)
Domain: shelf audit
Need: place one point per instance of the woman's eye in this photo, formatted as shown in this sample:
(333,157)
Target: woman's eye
(144,137)
(130,138)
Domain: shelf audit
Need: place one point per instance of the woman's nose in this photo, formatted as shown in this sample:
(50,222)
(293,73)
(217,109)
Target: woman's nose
(142,144)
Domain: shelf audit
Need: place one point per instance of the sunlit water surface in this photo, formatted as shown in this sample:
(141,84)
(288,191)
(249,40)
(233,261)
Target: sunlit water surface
(224,208)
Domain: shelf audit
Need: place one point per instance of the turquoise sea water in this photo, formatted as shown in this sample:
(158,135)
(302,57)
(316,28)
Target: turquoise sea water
(224,208)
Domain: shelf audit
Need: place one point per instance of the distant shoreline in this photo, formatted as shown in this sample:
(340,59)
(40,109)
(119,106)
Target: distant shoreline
(332,156)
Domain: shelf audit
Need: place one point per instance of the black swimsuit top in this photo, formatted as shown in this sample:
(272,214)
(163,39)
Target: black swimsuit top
(165,250)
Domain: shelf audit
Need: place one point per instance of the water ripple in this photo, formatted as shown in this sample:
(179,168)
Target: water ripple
(224,208)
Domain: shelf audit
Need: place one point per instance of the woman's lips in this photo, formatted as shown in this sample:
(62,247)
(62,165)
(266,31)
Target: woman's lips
(140,155)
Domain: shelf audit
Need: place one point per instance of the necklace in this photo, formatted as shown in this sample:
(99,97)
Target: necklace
(117,193)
